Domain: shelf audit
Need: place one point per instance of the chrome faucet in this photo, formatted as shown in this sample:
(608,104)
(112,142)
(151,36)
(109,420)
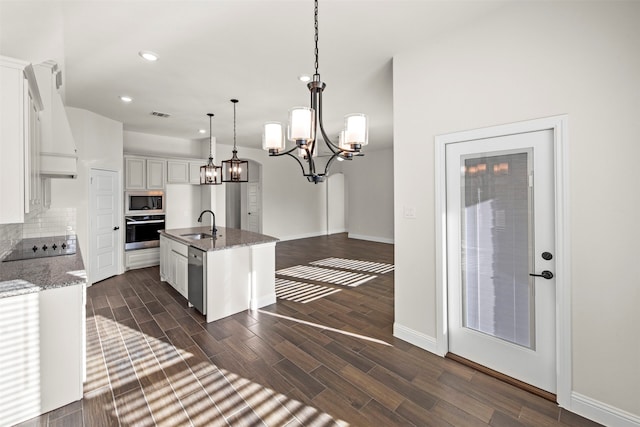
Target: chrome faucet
(214,230)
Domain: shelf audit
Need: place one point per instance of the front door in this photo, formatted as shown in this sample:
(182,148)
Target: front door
(500,233)
(104,224)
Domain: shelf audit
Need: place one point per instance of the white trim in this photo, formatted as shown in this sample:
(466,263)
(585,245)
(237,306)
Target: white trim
(414,337)
(559,124)
(337,231)
(371,238)
(564,367)
(602,412)
(302,236)
(263,301)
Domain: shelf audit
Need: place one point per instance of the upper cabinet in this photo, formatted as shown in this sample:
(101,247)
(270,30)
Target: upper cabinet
(20,104)
(177,172)
(194,171)
(136,173)
(144,174)
(150,173)
(156,174)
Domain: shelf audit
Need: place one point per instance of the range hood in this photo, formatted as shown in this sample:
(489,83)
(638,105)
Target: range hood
(58,154)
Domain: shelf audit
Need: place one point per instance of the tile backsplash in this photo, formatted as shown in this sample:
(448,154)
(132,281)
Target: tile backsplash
(49,222)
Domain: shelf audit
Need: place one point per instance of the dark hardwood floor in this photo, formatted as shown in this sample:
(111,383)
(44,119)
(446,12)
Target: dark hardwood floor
(151,360)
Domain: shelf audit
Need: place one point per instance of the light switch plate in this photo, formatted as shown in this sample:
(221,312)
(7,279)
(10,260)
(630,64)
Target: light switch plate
(409,212)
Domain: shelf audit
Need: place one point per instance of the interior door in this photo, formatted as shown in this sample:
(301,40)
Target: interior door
(105,221)
(253,207)
(500,231)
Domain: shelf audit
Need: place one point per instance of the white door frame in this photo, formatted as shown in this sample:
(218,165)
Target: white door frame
(559,125)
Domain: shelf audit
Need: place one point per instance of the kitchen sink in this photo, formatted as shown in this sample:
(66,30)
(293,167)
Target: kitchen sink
(197,236)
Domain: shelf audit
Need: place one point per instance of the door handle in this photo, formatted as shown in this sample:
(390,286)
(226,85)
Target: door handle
(116,228)
(546,274)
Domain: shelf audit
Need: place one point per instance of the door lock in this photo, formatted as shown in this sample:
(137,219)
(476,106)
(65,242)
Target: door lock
(547,256)
(546,274)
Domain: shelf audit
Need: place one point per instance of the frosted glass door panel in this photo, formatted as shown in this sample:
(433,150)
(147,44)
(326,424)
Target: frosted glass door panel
(496,246)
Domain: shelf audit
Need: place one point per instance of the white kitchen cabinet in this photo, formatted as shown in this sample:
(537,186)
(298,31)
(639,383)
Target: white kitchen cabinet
(177,172)
(181,277)
(42,358)
(194,171)
(141,258)
(156,174)
(144,174)
(165,250)
(174,264)
(136,173)
(20,103)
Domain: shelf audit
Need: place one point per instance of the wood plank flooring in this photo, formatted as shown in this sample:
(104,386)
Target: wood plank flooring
(151,360)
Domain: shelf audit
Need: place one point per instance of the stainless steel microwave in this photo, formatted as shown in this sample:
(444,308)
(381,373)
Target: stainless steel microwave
(144,202)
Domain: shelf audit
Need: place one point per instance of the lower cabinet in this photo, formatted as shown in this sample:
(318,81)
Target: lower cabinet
(42,359)
(141,258)
(174,264)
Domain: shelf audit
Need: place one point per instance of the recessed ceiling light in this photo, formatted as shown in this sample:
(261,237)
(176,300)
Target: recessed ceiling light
(148,55)
(304,78)
(202,131)
(125,98)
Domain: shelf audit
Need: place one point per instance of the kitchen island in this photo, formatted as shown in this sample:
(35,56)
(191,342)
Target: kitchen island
(42,335)
(238,268)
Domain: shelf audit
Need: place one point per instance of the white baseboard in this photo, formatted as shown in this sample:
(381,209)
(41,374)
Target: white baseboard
(582,405)
(337,231)
(371,238)
(263,301)
(602,412)
(302,236)
(416,338)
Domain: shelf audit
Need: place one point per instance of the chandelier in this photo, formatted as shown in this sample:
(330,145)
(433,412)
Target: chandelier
(234,169)
(303,126)
(210,174)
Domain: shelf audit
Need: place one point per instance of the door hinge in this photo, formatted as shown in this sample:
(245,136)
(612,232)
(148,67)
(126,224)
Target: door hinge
(531,180)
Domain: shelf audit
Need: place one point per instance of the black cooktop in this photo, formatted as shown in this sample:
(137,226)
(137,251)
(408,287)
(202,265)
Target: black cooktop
(41,247)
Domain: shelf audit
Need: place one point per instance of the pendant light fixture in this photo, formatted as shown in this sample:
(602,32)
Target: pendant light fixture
(303,124)
(210,174)
(234,169)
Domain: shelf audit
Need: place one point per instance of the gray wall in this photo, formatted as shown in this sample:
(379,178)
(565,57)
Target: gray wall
(526,61)
(369,182)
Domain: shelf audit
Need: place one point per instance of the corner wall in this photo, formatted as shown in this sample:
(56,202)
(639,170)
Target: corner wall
(99,144)
(370,195)
(526,61)
(292,208)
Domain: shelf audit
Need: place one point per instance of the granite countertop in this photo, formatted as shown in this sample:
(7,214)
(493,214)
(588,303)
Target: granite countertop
(35,275)
(226,238)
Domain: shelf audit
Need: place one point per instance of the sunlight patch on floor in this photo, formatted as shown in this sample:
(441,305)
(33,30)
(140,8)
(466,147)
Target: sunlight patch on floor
(328,275)
(353,264)
(155,383)
(327,328)
(301,292)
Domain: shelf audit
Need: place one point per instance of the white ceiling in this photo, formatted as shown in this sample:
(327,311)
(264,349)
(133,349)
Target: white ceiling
(215,50)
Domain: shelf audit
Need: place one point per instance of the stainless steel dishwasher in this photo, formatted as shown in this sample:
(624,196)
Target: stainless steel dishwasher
(197,290)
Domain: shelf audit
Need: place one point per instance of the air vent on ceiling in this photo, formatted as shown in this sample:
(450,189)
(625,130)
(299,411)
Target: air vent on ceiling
(160,114)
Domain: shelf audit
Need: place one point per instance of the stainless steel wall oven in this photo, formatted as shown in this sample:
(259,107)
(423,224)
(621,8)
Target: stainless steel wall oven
(142,231)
